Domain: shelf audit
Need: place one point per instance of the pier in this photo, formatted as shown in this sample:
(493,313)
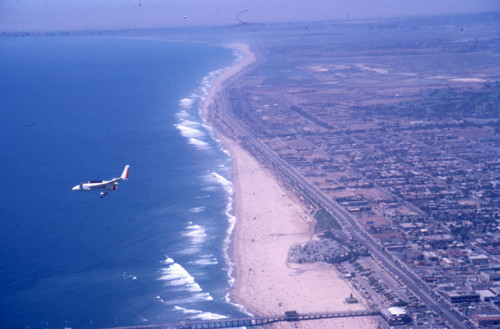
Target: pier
(289,316)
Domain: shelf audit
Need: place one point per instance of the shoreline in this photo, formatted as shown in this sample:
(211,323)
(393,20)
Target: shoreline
(246,58)
(268,222)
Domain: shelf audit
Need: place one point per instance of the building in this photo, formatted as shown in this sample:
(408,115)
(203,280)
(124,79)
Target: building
(486,295)
(396,316)
(479,259)
(491,275)
(292,316)
(351,300)
(487,319)
(462,296)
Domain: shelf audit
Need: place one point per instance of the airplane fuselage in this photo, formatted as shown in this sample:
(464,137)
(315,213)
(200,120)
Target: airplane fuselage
(97,186)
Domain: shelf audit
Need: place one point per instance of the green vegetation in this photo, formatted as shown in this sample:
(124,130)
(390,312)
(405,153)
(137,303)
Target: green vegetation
(446,103)
(456,104)
(325,221)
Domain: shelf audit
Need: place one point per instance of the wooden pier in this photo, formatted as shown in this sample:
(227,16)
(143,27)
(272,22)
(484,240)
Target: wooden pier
(252,322)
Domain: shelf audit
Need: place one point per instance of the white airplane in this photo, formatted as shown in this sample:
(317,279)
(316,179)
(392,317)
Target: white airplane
(103,185)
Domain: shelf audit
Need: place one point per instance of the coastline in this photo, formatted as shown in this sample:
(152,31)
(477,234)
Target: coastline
(268,222)
(246,58)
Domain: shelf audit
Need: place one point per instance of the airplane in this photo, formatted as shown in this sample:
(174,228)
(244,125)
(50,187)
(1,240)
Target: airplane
(103,185)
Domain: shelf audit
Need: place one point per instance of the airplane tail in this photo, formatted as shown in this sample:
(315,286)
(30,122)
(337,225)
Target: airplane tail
(124,175)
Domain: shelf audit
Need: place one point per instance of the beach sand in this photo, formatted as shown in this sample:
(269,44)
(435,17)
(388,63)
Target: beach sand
(268,222)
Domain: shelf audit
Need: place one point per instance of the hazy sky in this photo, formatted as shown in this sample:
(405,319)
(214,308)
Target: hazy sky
(27,15)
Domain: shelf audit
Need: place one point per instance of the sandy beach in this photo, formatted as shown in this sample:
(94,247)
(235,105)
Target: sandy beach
(268,222)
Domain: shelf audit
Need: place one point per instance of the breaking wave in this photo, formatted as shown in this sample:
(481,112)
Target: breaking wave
(197,209)
(226,184)
(198,297)
(199,315)
(177,276)
(199,143)
(186,103)
(195,232)
(205,260)
(188,131)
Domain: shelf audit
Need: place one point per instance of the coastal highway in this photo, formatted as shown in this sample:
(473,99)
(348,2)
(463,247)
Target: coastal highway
(401,273)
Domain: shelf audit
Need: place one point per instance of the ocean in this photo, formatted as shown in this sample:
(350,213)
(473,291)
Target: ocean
(74,109)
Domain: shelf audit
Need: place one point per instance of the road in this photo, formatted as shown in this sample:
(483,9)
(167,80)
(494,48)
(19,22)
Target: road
(401,273)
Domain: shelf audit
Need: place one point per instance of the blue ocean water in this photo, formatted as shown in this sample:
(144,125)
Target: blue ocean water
(74,109)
